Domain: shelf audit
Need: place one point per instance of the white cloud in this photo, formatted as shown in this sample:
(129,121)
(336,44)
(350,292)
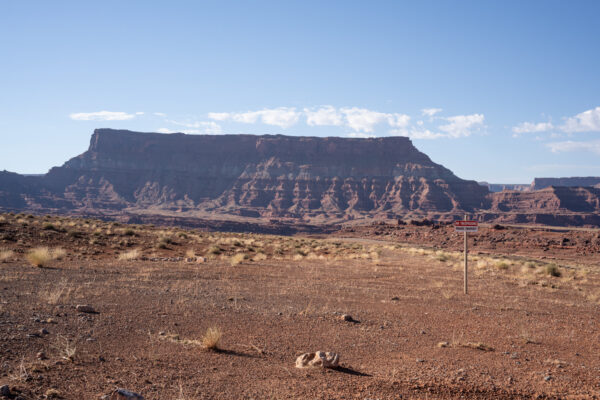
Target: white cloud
(568,146)
(363,120)
(587,121)
(360,135)
(463,125)
(430,112)
(102,116)
(323,116)
(218,116)
(159,114)
(139,113)
(283,117)
(195,127)
(530,127)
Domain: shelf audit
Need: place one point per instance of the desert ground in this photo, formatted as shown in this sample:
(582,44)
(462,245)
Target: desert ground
(388,299)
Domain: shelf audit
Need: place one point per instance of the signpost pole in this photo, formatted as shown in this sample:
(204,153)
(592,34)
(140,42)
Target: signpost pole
(466,265)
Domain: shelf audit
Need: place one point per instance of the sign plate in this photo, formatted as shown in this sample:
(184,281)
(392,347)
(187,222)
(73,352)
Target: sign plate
(466,226)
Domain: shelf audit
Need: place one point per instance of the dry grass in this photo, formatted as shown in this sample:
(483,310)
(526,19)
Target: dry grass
(6,255)
(39,256)
(236,259)
(129,255)
(65,348)
(211,338)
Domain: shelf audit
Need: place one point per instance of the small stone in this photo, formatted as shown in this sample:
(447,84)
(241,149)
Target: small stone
(162,333)
(547,378)
(123,394)
(41,356)
(395,298)
(347,318)
(33,335)
(44,331)
(84,308)
(443,344)
(419,360)
(318,359)
(4,391)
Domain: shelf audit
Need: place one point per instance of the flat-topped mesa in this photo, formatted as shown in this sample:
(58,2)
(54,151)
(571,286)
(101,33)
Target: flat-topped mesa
(586,181)
(269,175)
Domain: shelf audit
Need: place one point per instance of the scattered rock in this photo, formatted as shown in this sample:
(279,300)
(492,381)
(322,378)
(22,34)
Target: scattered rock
(347,318)
(419,360)
(44,331)
(84,308)
(318,359)
(4,391)
(41,356)
(395,298)
(443,344)
(547,378)
(123,394)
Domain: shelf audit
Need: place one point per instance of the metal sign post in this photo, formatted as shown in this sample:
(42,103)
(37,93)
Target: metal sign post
(465,227)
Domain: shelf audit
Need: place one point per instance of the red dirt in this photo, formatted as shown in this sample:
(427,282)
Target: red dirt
(504,338)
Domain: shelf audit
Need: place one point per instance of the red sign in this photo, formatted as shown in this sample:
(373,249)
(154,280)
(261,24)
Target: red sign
(466,223)
(466,226)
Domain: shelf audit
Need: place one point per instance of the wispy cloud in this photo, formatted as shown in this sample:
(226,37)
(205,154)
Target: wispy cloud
(364,120)
(430,112)
(569,146)
(530,127)
(324,116)
(463,125)
(103,116)
(194,127)
(284,117)
(587,121)
(355,118)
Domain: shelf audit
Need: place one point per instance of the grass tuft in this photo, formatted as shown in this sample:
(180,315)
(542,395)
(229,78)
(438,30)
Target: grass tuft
(39,256)
(211,339)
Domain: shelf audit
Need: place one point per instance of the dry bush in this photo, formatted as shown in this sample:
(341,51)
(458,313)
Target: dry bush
(553,270)
(211,338)
(65,349)
(5,255)
(58,253)
(39,256)
(236,259)
(190,253)
(129,255)
(259,257)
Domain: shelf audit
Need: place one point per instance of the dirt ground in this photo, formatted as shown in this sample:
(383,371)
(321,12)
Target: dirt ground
(520,332)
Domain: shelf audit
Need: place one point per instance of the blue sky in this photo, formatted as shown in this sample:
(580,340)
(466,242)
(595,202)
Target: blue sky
(502,91)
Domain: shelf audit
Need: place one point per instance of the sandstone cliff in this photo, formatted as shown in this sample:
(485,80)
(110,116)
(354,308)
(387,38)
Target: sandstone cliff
(247,177)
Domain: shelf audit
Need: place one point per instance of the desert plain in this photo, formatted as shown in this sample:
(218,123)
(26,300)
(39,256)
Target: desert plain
(388,299)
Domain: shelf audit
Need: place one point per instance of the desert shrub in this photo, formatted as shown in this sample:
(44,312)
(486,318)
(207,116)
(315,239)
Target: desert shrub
(49,227)
(553,270)
(129,255)
(236,259)
(211,338)
(129,232)
(5,255)
(215,250)
(58,253)
(39,256)
(502,265)
(75,234)
(190,253)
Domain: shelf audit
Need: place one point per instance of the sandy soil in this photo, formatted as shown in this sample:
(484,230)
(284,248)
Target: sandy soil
(519,333)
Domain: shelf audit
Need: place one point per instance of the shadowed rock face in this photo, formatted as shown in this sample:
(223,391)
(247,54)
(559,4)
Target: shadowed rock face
(277,176)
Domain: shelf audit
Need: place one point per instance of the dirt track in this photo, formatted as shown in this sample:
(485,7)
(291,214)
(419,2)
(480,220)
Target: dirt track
(517,335)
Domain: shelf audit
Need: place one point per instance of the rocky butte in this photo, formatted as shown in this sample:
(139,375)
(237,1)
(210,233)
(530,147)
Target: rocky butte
(147,177)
